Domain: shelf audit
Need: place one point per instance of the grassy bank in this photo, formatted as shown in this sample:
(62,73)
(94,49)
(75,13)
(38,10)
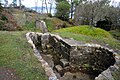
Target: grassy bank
(16,53)
(89,34)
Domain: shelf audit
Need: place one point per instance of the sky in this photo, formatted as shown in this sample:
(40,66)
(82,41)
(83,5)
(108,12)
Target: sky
(31,3)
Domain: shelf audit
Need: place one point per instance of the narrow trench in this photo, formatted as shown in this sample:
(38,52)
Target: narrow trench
(60,60)
(48,70)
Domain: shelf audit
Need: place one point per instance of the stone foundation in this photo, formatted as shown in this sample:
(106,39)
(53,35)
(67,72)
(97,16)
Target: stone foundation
(73,57)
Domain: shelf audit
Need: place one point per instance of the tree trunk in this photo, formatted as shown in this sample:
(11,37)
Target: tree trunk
(72,7)
(20,4)
(46,6)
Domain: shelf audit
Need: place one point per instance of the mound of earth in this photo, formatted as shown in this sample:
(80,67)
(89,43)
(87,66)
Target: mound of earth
(7,21)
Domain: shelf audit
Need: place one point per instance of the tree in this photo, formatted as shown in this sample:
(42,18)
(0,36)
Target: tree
(44,2)
(6,3)
(60,0)
(63,8)
(0,4)
(36,2)
(51,4)
(1,8)
(14,3)
(71,8)
(88,12)
(20,4)
(46,6)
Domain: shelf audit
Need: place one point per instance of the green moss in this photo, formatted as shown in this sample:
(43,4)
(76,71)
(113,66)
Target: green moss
(86,30)
(88,34)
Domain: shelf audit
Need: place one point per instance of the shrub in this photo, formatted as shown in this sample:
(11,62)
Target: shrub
(104,24)
(71,21)
(50,15)
(4,18)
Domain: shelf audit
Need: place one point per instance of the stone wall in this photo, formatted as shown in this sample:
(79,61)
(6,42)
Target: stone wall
(70,56)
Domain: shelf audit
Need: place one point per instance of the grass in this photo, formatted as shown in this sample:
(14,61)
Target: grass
(86,30)
(52,23)
(89,34)
(116,34)
(29,26)
(49,25)
(17,54)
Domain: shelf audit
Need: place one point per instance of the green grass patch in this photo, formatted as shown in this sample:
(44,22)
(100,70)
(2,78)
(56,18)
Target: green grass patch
(89,34)
(53,23)
(17,54)
(49,25)
(30,26)
(86,30)
(116,34)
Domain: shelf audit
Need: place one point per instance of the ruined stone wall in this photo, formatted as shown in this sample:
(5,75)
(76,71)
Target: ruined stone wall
(90,59)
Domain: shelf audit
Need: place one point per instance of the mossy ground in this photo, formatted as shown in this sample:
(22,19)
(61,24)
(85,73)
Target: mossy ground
(89,34)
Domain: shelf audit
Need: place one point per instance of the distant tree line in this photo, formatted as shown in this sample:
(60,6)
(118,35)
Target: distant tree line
(99,13)
(13,4)
(102,13)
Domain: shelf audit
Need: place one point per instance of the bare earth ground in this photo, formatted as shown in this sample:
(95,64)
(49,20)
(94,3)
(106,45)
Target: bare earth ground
(8,74)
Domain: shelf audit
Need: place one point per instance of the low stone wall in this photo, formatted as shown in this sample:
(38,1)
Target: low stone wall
(91,59)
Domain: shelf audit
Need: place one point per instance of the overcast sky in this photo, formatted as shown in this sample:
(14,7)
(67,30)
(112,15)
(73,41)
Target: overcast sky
(31,3)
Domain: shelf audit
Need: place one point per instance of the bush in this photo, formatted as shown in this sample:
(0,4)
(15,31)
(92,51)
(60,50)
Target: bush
(50,15)
(4,18)
(63,8)
(104,24)
(71,21)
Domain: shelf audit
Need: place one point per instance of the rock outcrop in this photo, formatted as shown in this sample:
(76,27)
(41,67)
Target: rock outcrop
(7,21)
(73,56)
(41,25)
